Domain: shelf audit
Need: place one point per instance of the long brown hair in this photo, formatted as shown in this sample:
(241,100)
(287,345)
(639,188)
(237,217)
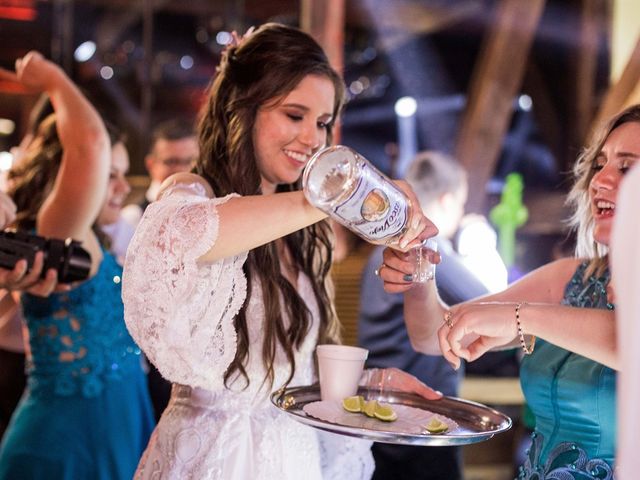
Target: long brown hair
(582,220)
(264,68)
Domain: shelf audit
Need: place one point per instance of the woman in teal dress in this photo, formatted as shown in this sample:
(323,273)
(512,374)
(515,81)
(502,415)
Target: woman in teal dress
(569,375)
(573,399)
(85,413)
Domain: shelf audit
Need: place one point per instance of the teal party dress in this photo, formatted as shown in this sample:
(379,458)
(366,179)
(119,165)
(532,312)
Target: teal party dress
(86,413)
(573,400)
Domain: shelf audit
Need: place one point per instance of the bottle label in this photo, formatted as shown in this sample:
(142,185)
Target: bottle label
(376,209)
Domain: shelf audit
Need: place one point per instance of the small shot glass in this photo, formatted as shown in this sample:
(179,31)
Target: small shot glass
(423,269)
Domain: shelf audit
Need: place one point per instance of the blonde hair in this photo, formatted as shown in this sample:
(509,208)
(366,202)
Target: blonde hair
(582,219)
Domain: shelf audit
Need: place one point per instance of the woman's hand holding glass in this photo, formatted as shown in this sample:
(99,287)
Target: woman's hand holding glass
(469,330)
(398,267)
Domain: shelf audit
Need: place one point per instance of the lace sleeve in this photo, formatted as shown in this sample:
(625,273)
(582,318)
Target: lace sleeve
(181,312)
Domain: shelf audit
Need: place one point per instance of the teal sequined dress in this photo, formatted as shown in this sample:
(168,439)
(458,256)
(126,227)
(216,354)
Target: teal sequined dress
(86,413)
(573,399)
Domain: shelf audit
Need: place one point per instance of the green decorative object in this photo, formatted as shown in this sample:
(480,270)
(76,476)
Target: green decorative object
(508,216)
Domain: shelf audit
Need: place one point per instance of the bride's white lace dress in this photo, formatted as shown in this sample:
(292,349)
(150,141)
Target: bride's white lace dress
(181,314)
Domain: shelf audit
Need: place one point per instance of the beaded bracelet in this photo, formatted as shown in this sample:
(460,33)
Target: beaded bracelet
(527,350)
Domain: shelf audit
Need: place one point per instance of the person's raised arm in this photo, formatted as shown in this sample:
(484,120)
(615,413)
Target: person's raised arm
(80,187)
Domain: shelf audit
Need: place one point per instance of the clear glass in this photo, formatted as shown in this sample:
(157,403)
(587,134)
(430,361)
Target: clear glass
(423,269)
(345,185)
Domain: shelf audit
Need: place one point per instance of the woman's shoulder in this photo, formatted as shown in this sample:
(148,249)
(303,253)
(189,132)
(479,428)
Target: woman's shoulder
(558,269)
(568,264)
(185,182)
(545,284)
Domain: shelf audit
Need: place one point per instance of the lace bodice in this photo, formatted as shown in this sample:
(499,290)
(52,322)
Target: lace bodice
(182,314)
(573,400)
(77,339)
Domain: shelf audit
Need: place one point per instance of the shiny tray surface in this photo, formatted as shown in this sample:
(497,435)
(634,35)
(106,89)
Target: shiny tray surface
(476,422)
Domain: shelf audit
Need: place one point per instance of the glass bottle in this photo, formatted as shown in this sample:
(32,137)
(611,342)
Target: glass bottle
(345,185)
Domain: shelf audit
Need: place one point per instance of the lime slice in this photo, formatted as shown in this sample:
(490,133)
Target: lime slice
(436,426)
(353,404)
(385,413)
(370,408)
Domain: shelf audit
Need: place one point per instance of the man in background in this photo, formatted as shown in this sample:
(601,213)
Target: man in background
(174,149)
(440,184)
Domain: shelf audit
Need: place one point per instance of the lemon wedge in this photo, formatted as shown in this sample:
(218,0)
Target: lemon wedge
(370,408)
(436,426)
(353,404)
(385,413)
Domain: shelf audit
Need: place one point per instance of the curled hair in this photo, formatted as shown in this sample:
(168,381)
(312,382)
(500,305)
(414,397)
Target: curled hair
(262,70)
(32,178)
(582,220)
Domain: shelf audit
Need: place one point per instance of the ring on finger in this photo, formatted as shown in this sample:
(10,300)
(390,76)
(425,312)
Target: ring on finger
(447,318)
(377,270)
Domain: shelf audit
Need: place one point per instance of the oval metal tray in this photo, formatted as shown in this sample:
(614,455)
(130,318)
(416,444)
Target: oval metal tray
(476,422)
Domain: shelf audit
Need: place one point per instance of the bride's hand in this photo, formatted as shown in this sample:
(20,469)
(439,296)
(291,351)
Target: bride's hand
(420,227)
(394,379)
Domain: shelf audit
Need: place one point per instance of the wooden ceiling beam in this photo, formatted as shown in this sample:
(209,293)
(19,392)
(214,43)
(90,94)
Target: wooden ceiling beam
(545,110)
(324,20)
(411,17)
(583,63)
(618,95)
(496,80)
(253,8)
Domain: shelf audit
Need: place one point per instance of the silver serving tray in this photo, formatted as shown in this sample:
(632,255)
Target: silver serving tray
(476,422)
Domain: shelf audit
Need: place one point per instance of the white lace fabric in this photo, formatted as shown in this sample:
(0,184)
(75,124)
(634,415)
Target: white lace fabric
(181,314)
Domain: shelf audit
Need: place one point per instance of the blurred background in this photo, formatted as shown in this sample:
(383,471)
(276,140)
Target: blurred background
(502,85)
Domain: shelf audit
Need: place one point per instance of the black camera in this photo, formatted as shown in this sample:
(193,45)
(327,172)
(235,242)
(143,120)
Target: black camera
(72,262)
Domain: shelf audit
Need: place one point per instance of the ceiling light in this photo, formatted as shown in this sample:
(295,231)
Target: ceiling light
(84,51)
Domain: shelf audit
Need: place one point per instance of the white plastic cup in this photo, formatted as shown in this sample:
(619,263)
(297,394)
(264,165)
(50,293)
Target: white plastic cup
(423,269)
(340,368)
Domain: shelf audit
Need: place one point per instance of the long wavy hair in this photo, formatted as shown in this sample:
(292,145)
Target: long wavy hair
(31,179)
(263,69)
(582,220)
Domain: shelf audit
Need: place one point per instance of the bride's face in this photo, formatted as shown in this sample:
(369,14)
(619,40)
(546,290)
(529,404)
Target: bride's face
(287,133)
